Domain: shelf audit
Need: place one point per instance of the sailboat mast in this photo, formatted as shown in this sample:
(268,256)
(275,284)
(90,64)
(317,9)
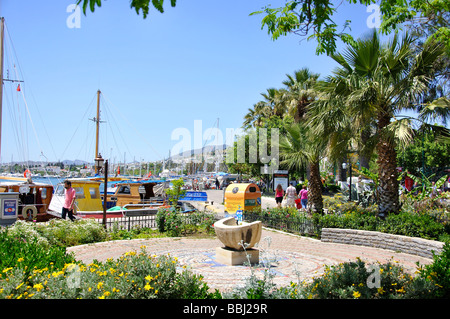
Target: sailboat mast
(2,33)
(97,122)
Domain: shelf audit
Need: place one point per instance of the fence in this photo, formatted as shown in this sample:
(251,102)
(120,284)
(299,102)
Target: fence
(130,222)
(299,225)
(147,220)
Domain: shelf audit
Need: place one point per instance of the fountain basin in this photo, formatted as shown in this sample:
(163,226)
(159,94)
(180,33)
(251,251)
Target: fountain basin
(231,234)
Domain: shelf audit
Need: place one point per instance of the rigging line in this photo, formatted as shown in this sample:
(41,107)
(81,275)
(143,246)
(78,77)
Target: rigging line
(76,130)
(13,118)
(145,140)
(109,114)
(14,53)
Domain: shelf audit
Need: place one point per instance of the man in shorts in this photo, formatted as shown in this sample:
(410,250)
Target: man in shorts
(291,195)
(69,200)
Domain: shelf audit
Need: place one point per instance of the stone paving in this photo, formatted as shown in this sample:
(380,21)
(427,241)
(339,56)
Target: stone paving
(291,257)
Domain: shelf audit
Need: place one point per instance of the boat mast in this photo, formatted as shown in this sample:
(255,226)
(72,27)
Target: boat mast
(97,122)
(2,32)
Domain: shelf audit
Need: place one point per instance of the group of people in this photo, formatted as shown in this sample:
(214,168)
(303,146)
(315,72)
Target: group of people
(293,199)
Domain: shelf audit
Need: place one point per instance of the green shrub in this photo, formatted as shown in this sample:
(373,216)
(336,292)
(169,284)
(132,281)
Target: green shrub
(438,273)
(406,224)
(132,276)
(30,253)
(169,220)
(68,233)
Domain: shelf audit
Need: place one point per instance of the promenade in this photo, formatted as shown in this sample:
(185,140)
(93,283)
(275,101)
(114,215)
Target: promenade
(289,257)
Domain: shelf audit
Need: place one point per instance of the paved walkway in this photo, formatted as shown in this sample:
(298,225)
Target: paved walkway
(291,257)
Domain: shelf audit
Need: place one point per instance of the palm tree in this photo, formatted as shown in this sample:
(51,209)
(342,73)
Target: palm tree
(376,81)
(255,115)
(300,92)
(300,147)
(275,101)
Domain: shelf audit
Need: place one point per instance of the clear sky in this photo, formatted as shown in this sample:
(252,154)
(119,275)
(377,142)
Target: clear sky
(202,60)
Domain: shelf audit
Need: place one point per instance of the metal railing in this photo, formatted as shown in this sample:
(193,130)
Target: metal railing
(299,225)
(130,222)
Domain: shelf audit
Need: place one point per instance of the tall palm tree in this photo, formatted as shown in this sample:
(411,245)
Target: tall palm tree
(300,92)
(255,115)
(377,81)
(274,100)
(300,147)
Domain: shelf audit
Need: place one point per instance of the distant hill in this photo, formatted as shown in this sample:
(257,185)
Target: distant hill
(204,150)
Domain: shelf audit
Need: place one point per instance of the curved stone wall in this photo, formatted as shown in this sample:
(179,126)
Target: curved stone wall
(410,245)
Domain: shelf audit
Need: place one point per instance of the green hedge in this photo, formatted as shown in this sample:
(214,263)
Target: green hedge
(413,225)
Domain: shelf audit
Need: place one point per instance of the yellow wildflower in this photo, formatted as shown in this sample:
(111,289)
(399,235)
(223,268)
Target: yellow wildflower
(356,294)
(381,290)
(100,285)
(38,287)
(149,278)
(147,287)
(20,259)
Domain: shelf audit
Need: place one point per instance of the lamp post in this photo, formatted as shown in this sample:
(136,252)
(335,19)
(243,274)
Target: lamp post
(266,171)
(105,194)
(98,163)
(344,166)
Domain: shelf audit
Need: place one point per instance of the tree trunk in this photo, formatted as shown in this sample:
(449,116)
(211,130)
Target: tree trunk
(364,153)
(387,171)
(315,189)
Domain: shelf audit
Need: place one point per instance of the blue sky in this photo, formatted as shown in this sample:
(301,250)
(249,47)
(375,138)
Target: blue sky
(202,60)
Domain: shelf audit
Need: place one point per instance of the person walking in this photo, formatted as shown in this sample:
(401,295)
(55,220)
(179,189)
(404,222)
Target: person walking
(303,195)
(279,192)
(69,200)
(291,195)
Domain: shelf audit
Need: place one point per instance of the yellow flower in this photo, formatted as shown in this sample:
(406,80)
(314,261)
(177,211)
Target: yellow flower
(380,290)
(106,293)
(149,278)
(147,287)
(20,259)
(19,286)
(356,294)
(38,287)
(156,291)
(100,285)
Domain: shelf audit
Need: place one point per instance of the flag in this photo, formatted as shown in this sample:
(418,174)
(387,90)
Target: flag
(18,88)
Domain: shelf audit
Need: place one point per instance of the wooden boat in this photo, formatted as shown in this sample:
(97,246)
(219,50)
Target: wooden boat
(137,193)
(34,199)
(89,202)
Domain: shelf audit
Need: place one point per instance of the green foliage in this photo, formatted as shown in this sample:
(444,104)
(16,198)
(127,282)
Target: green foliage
(138,5)
(353,280)
(59,232)
(307,18)
(406,224)
(169,221)
(29,252)
(133,275)
(176,191)
(427,152)
(438,273)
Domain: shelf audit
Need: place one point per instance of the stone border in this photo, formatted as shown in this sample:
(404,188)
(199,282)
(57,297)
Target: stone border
(410,245)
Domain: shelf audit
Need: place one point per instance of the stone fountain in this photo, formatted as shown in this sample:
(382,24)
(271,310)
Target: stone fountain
(234,236)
